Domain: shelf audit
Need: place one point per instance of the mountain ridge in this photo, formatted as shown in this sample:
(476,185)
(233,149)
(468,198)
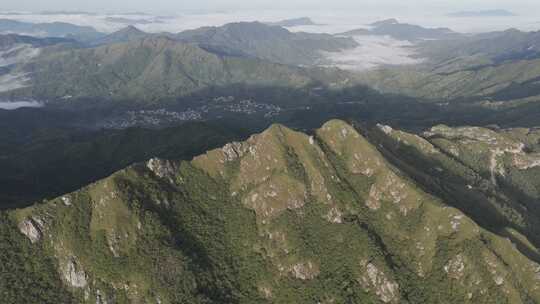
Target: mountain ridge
(273,43)
(152,69)
(273,219)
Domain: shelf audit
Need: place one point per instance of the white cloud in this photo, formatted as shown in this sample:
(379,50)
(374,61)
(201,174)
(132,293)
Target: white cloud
(167,6)
(334,21)
(374,51)
(12,105)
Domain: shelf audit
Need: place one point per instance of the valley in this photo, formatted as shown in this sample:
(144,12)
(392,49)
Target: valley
(218,157)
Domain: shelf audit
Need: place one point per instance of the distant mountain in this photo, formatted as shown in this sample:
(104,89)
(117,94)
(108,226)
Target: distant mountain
(496,70)
(403,31)
(129,33)
(67,13)
(10,40)
(154,68)
(54,29)
(501,46)
(267,42)
(293,22)
(129,21)
(286,217)
(483,13)
(17,50)
(386,22)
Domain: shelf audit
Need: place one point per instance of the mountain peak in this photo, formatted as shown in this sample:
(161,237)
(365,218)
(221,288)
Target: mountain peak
(280,211)
(130,29)
(391,21)
(125,34)
(302,21)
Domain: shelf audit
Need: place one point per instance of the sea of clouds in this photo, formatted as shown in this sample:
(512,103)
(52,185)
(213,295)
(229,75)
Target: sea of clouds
(328,21)
(372,52)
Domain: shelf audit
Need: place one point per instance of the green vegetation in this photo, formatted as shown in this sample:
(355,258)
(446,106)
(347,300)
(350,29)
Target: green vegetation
(153,69)
(27,274)
(47,162)
(272,43)
(280,218)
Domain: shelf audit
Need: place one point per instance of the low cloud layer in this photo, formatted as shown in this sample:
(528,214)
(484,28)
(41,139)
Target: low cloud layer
(330,21)
(164,6)
(13,105)
(374,51)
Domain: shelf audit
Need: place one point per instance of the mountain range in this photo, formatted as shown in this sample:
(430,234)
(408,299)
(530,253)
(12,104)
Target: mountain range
(403,31)
(271,43)
(192,167)
(498,69)
(153,69)
(302,21)
(52,29)
(483,13)
(286,217)
(131,64)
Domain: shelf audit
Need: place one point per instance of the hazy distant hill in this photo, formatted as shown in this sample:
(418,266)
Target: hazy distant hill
(53,29)
(497,46)
(10,40)
(403,31)
(267,42)
(17,50)
(498,66)
(483,13)
(126,34)
(293,22)
(154,68)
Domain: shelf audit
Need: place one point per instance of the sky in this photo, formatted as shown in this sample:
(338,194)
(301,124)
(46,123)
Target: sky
(337,15)
(167,6)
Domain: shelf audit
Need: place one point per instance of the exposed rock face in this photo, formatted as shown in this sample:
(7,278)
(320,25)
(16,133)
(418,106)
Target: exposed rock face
(161,168)
(292,211)
(377,281)
(101,298)
(234,151)
(66,199)
(74,274)
(455,267)
(31,228)
(386,129)
(305,271)
(526,161)
(265,291)
(334,215)
(495,146)
(112,241)
(280,194)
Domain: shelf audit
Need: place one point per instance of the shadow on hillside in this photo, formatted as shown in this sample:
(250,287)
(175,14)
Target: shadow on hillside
(54,150)
(453,190)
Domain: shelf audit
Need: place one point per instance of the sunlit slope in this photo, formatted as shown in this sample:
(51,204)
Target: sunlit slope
(280,218)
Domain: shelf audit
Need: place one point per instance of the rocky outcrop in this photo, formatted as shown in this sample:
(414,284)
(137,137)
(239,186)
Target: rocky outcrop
(74,274)
(374,280)
(66,199)
(161,168)
(102,298)
(32,228)
(455,267)
(526,161)
(305,271)
(280,212)
(234,151)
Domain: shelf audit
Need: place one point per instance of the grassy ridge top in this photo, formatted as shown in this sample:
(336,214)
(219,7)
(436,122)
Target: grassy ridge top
(280,218)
